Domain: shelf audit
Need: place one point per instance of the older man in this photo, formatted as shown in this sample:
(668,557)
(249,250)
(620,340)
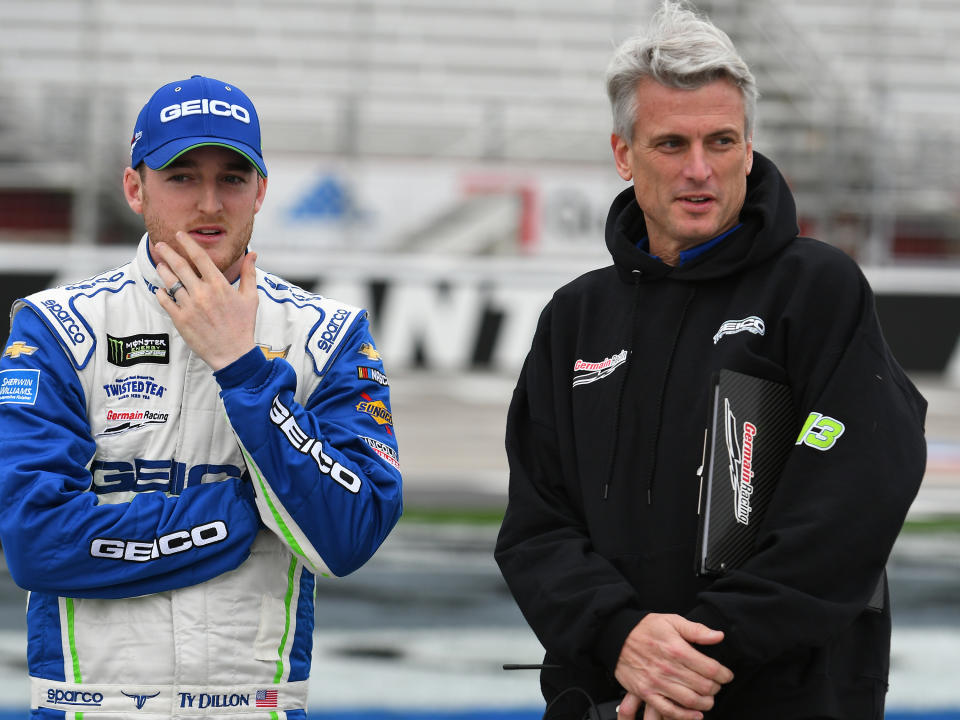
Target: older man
(606,426)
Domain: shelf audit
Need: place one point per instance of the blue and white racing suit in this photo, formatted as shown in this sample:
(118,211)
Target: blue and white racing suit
(169,521)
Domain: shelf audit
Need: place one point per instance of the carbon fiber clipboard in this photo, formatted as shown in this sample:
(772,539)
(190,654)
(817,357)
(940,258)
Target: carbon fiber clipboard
(751,432)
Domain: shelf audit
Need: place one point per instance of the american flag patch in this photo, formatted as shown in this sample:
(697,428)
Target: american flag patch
(266,698)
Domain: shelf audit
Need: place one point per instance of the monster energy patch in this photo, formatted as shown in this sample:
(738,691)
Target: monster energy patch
(136,349)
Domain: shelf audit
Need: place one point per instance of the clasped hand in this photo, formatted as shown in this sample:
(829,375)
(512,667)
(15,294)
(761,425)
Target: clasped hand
(215,319)
(659,665)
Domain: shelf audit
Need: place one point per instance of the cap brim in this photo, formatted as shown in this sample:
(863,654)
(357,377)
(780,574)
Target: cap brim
(163,156)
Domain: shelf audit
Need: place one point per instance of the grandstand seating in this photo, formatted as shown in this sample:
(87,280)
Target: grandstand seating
(860,100)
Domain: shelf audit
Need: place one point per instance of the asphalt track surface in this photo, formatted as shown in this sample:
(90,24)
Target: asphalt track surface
(422,631)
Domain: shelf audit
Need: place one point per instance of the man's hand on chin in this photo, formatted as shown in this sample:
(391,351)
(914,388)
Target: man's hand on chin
(215,319)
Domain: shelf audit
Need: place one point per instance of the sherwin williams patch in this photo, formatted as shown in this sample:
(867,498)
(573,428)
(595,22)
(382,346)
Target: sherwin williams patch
(19,386)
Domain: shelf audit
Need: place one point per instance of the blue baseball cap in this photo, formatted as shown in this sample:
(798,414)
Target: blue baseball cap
(193,113)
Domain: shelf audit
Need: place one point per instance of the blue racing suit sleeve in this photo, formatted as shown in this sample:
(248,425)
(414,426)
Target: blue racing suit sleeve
(56,536)
(326,473)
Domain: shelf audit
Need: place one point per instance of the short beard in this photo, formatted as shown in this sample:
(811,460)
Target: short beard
(159,231)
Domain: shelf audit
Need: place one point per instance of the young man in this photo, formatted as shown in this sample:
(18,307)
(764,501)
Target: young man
(606,427)
(189,445)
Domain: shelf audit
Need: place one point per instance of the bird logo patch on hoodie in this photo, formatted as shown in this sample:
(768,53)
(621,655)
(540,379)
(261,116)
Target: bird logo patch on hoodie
(751,324)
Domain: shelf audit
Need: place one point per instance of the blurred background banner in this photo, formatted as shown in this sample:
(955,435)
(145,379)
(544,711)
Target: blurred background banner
(446,164)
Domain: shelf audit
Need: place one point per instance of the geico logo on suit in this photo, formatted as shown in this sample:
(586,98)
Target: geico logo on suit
(143,475)
(169,544)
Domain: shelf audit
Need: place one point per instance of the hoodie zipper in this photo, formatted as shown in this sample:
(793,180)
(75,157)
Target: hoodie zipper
(605,491)
(621,392)
(651,473)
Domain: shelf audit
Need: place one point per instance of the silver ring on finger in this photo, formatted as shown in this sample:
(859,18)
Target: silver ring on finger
(172,291)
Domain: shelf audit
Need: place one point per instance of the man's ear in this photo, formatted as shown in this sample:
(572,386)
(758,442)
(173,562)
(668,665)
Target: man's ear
(621,156)
(261,193)
(133,190)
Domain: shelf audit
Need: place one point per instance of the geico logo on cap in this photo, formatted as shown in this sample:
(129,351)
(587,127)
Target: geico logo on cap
(204,106)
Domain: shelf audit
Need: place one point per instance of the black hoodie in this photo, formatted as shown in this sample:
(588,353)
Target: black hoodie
(605,434)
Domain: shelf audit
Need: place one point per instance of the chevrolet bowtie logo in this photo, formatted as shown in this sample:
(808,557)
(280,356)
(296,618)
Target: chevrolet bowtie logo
(369,350)
(269,353)
(19,348)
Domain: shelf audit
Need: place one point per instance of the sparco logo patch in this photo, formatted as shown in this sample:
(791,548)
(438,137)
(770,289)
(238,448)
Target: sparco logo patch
(75,698)
(333,328)
(136,349)
(588,372)
(66,320)
(740,455)
(751,324)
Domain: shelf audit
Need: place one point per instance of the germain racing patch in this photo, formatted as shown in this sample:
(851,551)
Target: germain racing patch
(136,349)
(120,421)
(19,387)
(588,372)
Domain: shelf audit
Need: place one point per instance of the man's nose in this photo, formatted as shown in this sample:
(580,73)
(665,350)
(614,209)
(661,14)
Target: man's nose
(209,200)
(697,165)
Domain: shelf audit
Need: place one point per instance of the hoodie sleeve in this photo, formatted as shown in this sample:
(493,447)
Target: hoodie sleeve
(57,537)
(326,473)
(573,598)
(845,491)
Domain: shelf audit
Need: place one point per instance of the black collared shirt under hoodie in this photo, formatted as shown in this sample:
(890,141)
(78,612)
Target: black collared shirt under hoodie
(605,434)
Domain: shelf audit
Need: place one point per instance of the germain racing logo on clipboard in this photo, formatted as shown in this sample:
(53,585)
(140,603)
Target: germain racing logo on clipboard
(740,454)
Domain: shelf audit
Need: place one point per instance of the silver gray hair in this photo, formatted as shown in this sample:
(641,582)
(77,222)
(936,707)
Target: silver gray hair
(680,49)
